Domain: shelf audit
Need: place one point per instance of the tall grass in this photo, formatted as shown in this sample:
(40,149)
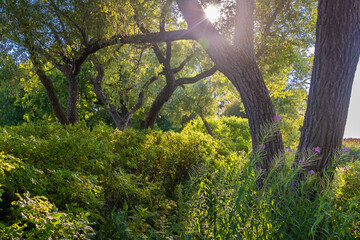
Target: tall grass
(229,205)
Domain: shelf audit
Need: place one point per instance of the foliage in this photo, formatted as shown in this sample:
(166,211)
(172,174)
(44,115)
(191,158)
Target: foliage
(39,219)
(230,205)
(165,157)
(233,132)
(134,184)
(11,112)
(100,172)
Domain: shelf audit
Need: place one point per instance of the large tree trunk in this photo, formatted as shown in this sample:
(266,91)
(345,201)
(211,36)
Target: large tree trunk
(164,96)
(238,64)
(337,52)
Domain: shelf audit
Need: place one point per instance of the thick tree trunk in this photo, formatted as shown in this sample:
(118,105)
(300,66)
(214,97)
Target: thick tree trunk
(337,52)
(164,96)
(239,65)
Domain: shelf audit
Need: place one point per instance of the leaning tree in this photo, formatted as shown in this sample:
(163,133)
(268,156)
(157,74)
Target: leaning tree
(337,52)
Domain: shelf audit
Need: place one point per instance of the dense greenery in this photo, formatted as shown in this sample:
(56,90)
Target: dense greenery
(225,101)
(79,183)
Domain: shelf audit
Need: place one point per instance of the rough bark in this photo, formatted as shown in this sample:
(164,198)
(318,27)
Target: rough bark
(337,52)
(72,111)
(239,65)
(156,106)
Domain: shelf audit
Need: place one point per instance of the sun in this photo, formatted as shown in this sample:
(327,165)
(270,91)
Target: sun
(212,13)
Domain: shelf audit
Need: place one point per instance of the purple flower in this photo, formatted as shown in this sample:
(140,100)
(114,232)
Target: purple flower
(289,149)
(262,147)
(316,150)
(346,149)
(277,118)
(301,161)
(264,170)
(311,172)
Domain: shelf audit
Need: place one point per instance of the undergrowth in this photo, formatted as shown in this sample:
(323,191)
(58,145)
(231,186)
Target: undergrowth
(77,183)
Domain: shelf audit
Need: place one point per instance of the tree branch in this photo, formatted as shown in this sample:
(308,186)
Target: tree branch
(141,39)
(267,27)
(81,30)
(182,64)
(207,73)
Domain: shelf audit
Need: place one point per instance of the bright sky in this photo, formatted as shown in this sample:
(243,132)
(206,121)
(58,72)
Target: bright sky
(352,128)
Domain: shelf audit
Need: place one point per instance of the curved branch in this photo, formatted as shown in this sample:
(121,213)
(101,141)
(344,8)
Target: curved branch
(141,39)
(207,73)
(183,63)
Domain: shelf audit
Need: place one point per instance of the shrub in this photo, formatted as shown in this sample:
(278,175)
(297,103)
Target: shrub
(164,157)
(53,146)
(37,218)
(233,132)
(347,193)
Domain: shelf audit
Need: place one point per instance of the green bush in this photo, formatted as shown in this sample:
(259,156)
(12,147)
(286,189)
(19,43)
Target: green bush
(102,170)
(347,193)
(37,218)
(164,157)
(233,132)
(147,184)
(53,146)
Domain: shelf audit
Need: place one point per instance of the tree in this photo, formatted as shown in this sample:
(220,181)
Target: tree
(195,100)
(63,35)
(171,82)
(238,63)
(337,51)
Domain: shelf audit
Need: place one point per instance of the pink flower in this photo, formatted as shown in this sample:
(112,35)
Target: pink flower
(346,149)
(277,118)
(311,172)
(301,161)
(316,150)
(262,147)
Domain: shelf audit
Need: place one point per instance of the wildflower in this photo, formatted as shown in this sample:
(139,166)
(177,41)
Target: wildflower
(289,149)
(277,118)
(346,149)
(262,147)
(264,169)
(311,172)
(316,150)
(301,161)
